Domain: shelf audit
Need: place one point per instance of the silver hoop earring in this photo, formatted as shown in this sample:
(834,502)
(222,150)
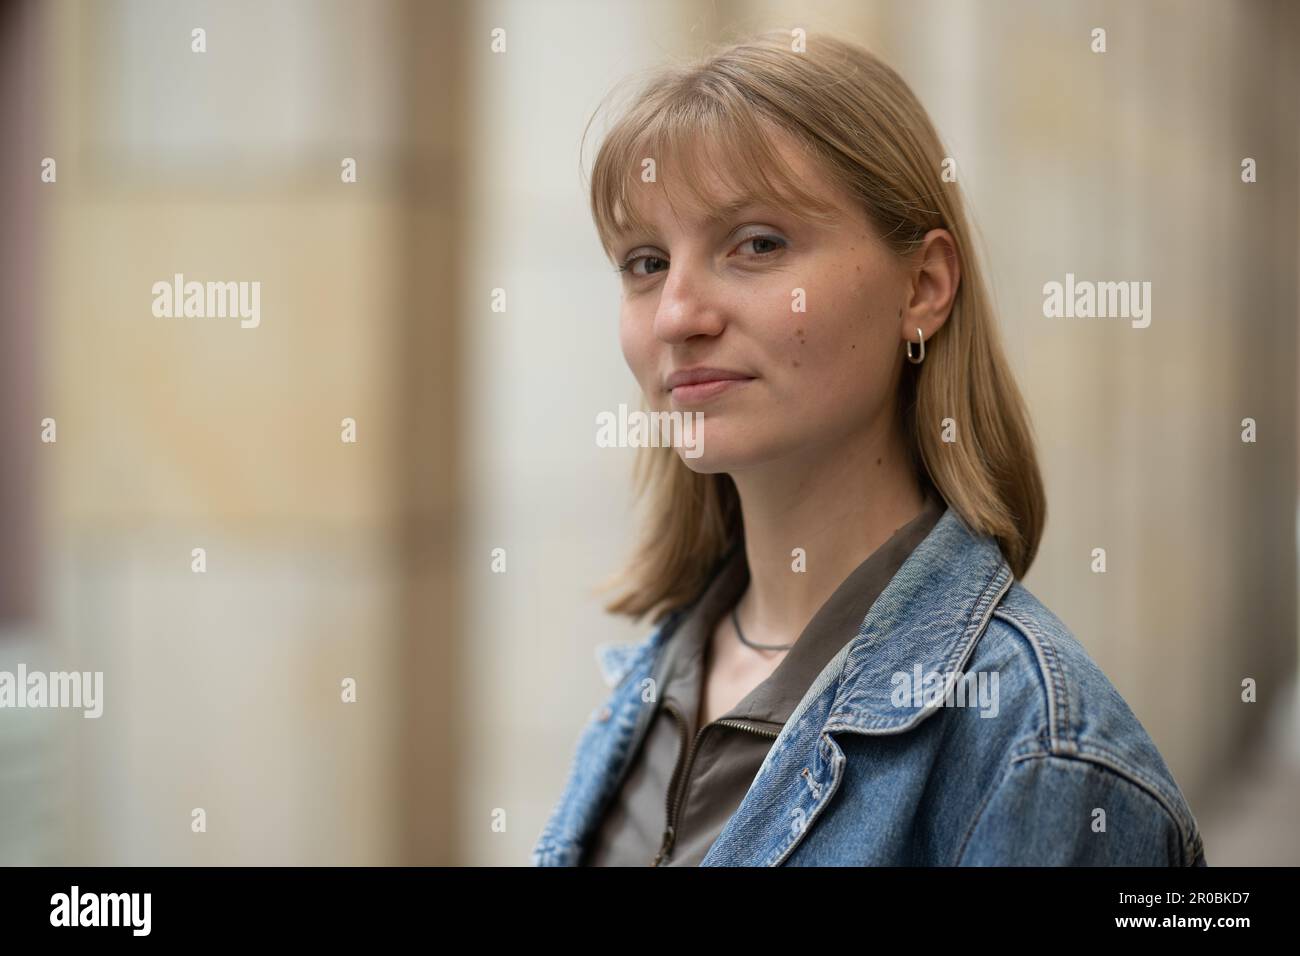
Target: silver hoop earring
(916,359)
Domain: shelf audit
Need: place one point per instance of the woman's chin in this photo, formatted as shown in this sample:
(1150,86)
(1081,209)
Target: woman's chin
(709,461)
(722,451)
(701,464)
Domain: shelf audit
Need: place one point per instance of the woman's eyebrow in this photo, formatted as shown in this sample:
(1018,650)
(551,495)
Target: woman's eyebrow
(719,213)
(729,208)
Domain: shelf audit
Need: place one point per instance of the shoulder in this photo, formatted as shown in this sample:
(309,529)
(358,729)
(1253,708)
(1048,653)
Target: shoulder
(618,659)
(1073,742)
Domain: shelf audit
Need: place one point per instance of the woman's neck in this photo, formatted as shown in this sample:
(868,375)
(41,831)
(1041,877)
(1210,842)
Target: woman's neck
(838,507)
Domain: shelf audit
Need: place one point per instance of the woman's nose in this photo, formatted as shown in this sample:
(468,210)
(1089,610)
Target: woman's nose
(689,305)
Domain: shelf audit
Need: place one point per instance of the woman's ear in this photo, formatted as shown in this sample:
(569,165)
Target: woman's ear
(935,276)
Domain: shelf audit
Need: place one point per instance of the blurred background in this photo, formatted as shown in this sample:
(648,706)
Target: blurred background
(371,560)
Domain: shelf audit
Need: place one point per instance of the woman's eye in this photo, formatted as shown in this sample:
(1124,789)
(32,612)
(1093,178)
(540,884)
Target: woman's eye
(630,265)
(774,241)
(763,246)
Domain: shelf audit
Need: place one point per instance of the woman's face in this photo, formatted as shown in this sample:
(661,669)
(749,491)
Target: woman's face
(806,318)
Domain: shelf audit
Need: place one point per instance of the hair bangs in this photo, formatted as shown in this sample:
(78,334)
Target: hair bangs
(712,152)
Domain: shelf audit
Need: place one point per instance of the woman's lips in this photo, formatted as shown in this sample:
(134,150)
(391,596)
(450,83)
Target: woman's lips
(700,391)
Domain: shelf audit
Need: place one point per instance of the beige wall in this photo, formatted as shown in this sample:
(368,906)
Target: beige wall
(223,690)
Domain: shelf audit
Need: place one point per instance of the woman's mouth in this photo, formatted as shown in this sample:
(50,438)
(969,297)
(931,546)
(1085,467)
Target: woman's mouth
(687,394)
(691,385)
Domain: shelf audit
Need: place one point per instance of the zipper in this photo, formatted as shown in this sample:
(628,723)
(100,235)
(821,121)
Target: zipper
(727,722)
(677,785)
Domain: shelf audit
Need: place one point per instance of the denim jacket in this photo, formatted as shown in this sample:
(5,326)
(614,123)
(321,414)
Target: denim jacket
(964,725)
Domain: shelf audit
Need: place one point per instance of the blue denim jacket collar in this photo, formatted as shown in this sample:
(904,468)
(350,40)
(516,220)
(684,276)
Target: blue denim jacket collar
(931,614)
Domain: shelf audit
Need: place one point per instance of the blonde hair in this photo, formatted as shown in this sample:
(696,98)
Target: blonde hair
(855,115)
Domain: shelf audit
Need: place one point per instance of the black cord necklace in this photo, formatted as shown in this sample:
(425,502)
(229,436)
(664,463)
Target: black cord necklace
(735,622)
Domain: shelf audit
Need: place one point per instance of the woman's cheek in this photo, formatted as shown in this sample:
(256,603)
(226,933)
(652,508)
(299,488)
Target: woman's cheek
(638,353)
(627,341)
(834,353)
(811,344)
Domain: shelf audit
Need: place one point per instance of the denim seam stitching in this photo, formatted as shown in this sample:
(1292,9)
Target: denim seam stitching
(979,814)
(1118,772)
(960,653)
(1051,673)
(1119,768)
(1079,747)
(779,856)
(1093,753)
(985,609)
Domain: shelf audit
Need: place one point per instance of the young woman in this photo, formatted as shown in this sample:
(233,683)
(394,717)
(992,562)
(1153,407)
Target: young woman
(846,669)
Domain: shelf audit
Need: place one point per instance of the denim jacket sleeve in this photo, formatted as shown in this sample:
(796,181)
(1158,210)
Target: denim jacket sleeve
(1086,814)
(1080,782)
